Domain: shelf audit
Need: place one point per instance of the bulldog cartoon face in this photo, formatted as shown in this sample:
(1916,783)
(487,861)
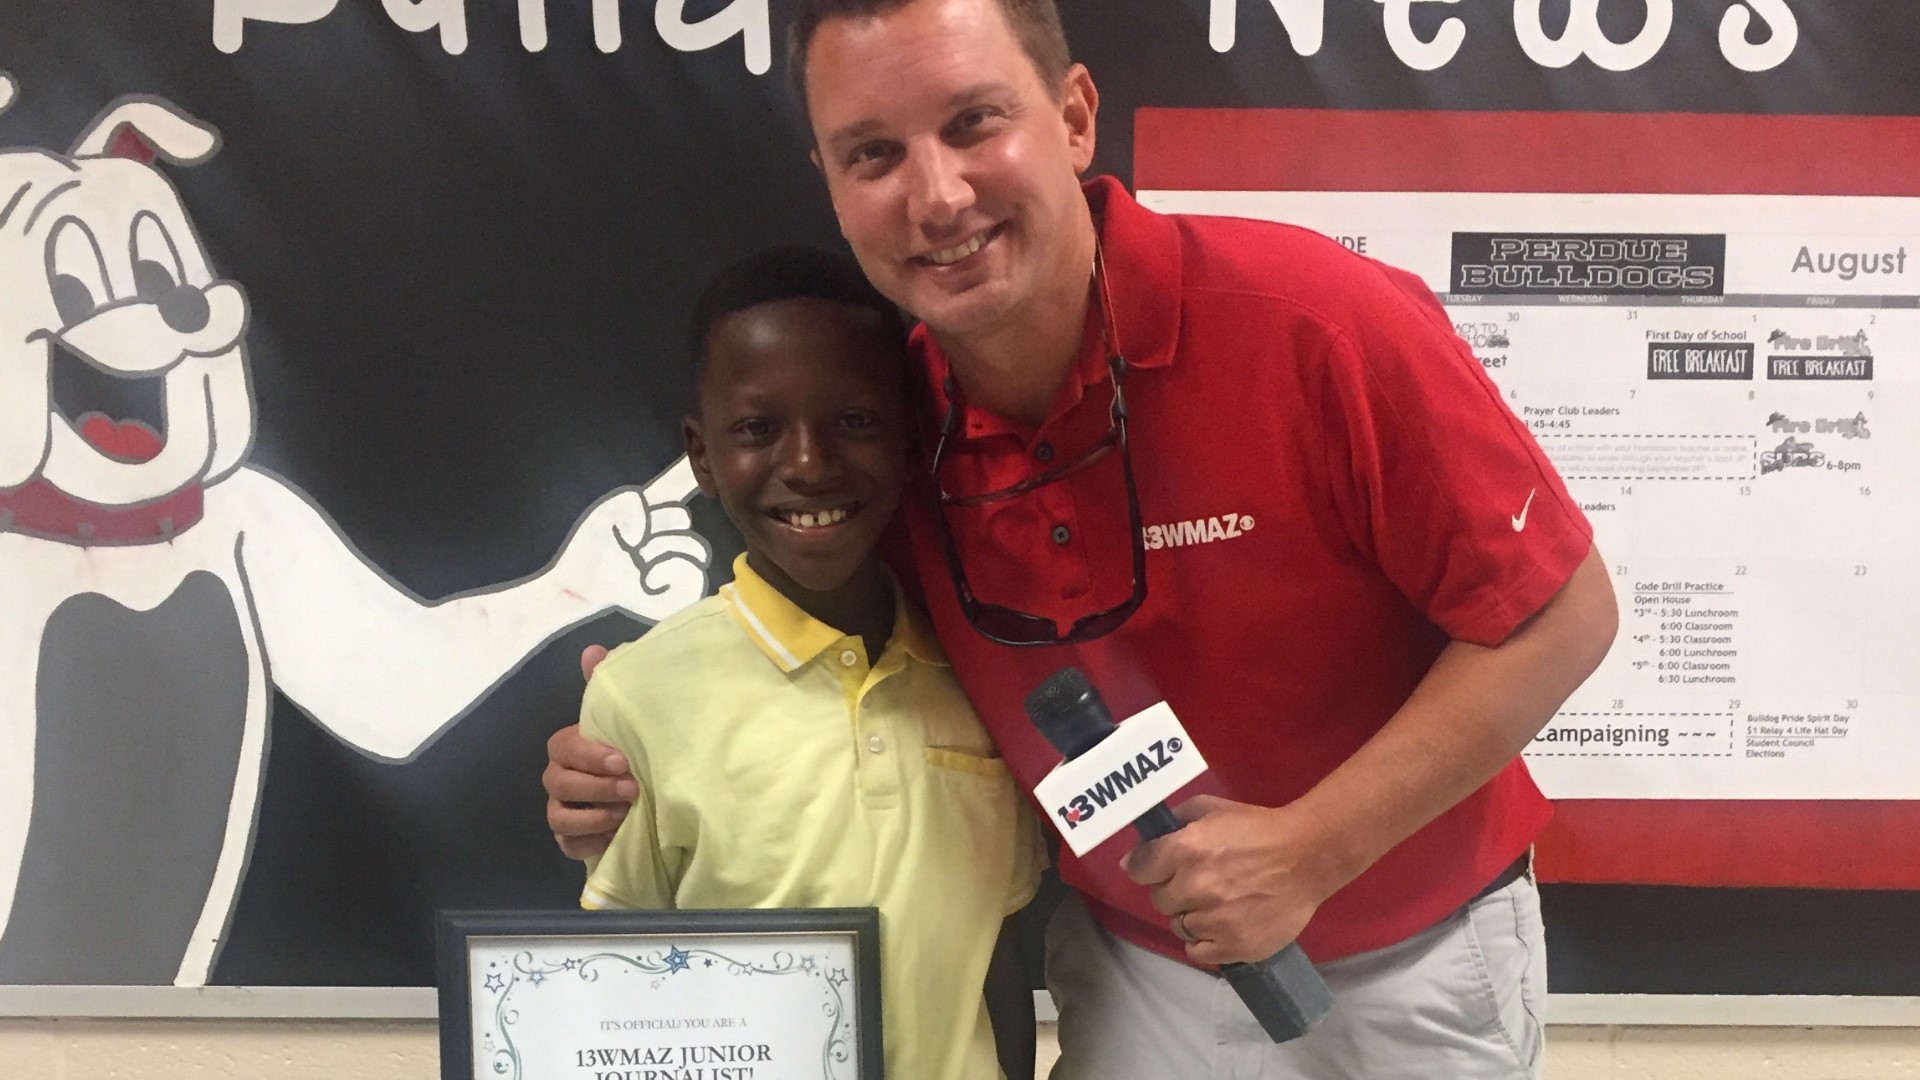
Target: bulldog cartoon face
(139,549)
(122,370)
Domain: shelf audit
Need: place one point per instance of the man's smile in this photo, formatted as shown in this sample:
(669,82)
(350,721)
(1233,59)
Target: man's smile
(949,256)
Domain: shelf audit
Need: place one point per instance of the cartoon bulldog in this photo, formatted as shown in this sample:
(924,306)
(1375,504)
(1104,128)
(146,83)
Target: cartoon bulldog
(155,588)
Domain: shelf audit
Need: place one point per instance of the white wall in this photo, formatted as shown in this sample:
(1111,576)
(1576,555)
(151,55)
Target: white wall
(408,1050)
(218,1050)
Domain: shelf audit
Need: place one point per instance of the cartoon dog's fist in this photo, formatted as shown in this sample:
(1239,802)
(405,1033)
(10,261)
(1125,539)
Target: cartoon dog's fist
(636,549)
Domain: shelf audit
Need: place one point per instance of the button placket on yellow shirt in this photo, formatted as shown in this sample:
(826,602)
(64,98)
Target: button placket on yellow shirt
(875,746)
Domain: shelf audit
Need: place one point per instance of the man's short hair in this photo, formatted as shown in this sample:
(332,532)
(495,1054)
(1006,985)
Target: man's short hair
(789,273)
(1036,23)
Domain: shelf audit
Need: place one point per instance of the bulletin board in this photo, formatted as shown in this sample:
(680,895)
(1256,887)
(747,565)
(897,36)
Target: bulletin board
(427,266)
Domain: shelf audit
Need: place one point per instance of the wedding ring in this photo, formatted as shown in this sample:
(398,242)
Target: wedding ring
(1180,928)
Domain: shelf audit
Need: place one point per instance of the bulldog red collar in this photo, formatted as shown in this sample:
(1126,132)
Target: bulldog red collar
(37,508)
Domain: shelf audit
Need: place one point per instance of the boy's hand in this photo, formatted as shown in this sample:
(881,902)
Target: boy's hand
(589,787)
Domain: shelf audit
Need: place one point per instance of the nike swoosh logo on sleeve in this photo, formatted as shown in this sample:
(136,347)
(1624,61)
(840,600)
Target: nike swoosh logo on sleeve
(1520,519)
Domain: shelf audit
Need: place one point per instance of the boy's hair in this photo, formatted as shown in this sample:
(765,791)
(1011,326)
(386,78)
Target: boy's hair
(788,273)
(1036,23)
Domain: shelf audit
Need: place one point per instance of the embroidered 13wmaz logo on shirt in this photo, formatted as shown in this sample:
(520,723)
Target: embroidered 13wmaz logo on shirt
(1206,530)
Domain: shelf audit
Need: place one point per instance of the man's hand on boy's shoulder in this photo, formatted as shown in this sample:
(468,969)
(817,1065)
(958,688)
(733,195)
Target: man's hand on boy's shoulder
(589,785)
(590,658)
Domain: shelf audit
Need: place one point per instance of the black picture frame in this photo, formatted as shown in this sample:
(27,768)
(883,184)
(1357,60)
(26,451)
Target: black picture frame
(457,930)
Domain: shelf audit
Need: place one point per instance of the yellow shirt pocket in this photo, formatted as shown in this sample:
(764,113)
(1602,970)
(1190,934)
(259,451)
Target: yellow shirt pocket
(970,762)
(985,828)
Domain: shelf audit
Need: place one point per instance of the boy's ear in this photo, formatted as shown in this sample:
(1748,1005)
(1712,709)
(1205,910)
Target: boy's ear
(696,444)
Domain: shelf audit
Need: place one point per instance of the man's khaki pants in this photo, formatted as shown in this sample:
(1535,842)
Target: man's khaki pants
(1460,1000)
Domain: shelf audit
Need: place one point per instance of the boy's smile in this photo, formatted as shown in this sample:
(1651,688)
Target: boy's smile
(801,434)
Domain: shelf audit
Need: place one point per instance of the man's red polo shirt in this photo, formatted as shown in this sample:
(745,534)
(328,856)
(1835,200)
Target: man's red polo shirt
(1331,490)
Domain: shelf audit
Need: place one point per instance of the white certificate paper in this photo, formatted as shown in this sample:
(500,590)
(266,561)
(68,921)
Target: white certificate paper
(672,1007)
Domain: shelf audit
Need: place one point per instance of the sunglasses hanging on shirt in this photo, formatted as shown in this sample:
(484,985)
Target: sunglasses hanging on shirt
(1011,626)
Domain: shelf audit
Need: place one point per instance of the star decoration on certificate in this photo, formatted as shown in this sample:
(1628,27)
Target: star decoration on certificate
(677,959)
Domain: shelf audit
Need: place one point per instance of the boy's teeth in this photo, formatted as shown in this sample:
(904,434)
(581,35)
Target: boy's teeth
(808,520)
(955,254)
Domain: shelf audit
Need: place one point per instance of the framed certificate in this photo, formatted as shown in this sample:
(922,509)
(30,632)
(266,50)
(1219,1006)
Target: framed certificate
(769,994)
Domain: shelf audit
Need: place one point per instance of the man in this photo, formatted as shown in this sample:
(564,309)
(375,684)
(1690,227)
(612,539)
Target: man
(1369,589)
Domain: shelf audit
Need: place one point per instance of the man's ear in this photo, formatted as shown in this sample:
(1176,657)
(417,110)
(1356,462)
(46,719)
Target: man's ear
(696,443)
(814,156)
(1079,108)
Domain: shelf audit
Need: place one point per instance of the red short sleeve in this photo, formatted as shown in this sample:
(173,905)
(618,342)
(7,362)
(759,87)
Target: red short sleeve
(1436,478)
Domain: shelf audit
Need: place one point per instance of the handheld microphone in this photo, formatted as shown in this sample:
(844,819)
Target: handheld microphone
(1283,991)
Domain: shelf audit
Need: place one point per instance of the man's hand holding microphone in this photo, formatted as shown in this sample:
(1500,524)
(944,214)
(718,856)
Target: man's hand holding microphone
(1237,880)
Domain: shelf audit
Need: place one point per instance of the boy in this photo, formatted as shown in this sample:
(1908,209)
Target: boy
(798,738)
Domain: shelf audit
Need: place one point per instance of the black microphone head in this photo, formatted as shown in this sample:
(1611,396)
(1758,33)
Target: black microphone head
(1068,711)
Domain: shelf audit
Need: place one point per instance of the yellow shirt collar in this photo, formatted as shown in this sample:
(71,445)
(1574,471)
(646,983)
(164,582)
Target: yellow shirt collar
(791,638)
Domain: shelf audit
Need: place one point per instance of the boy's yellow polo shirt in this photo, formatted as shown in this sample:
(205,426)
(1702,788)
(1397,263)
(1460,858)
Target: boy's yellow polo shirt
(778,769)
